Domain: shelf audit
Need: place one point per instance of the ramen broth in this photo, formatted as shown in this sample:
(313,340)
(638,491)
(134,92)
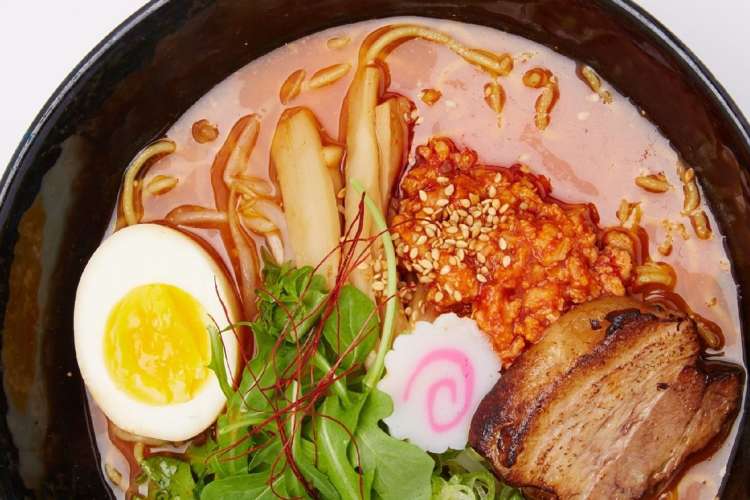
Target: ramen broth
(591,151)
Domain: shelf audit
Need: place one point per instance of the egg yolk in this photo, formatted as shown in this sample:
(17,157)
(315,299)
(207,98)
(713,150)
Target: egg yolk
(156,347)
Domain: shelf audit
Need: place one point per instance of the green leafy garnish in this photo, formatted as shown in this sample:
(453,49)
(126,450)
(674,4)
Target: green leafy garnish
(290,302)
(375,373)
(306,418)
(402,470)
(352,326)
(257,486)
(333,428)
(217,364)
(168,478)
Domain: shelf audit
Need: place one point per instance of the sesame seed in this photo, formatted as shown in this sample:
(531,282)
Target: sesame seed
(450,242)
(461,254)
(496,203)
(445,270)
(422,195)
(465,202)
(451,229)
(498,177)
(483,237)
(449,189)
(422,240)
(448,288)
(461,244)
(438,296)
(443,180)
(426,264)
(378,286)
(481,258)
(506,261)
(419,268)
(457,295)
(484,270)
(492,191)
(442,202)
(504,208)
(503,244)
(453,261)
(428,210)
(435,254)
(491,210)
(430,232)
(413,253)
(481,278)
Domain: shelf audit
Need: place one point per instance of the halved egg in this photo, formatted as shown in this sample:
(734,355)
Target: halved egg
(142,309)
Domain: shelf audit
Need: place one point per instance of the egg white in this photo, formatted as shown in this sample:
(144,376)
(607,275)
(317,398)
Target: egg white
(139,255)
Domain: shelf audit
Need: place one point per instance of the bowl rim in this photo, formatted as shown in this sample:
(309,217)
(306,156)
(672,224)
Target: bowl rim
(627,10)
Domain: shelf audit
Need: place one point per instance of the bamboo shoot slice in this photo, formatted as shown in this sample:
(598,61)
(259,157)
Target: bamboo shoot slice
(363,164)
(308,192)
(392,132)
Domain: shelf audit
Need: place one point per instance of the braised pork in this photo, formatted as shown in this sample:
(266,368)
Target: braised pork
(608,404)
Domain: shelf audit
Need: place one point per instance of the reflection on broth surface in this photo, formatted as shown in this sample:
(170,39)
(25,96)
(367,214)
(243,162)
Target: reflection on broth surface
(593,146)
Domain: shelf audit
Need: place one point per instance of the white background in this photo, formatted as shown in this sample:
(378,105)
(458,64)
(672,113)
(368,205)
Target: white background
(42,40)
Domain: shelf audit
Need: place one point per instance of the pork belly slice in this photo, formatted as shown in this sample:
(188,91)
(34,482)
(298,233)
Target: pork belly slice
(605,409)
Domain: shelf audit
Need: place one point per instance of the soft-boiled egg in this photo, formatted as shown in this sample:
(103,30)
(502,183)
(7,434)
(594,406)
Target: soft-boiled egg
(142,309)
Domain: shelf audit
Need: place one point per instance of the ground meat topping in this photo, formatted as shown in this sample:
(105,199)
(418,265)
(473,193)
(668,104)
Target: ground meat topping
(491,243)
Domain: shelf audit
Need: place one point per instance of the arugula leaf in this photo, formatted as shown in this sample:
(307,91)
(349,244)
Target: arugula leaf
(306,462)
(354,319)
(201,458)
(245,487)
(333,442)
(289,291)
(248,406)
(217,364)
(402,470)
(168,478)
(264,458)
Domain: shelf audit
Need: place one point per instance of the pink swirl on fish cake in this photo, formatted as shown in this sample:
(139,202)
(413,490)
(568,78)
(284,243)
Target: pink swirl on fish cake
(462,361)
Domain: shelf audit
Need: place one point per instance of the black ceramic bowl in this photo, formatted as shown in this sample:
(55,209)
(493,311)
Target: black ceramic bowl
(60,187)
